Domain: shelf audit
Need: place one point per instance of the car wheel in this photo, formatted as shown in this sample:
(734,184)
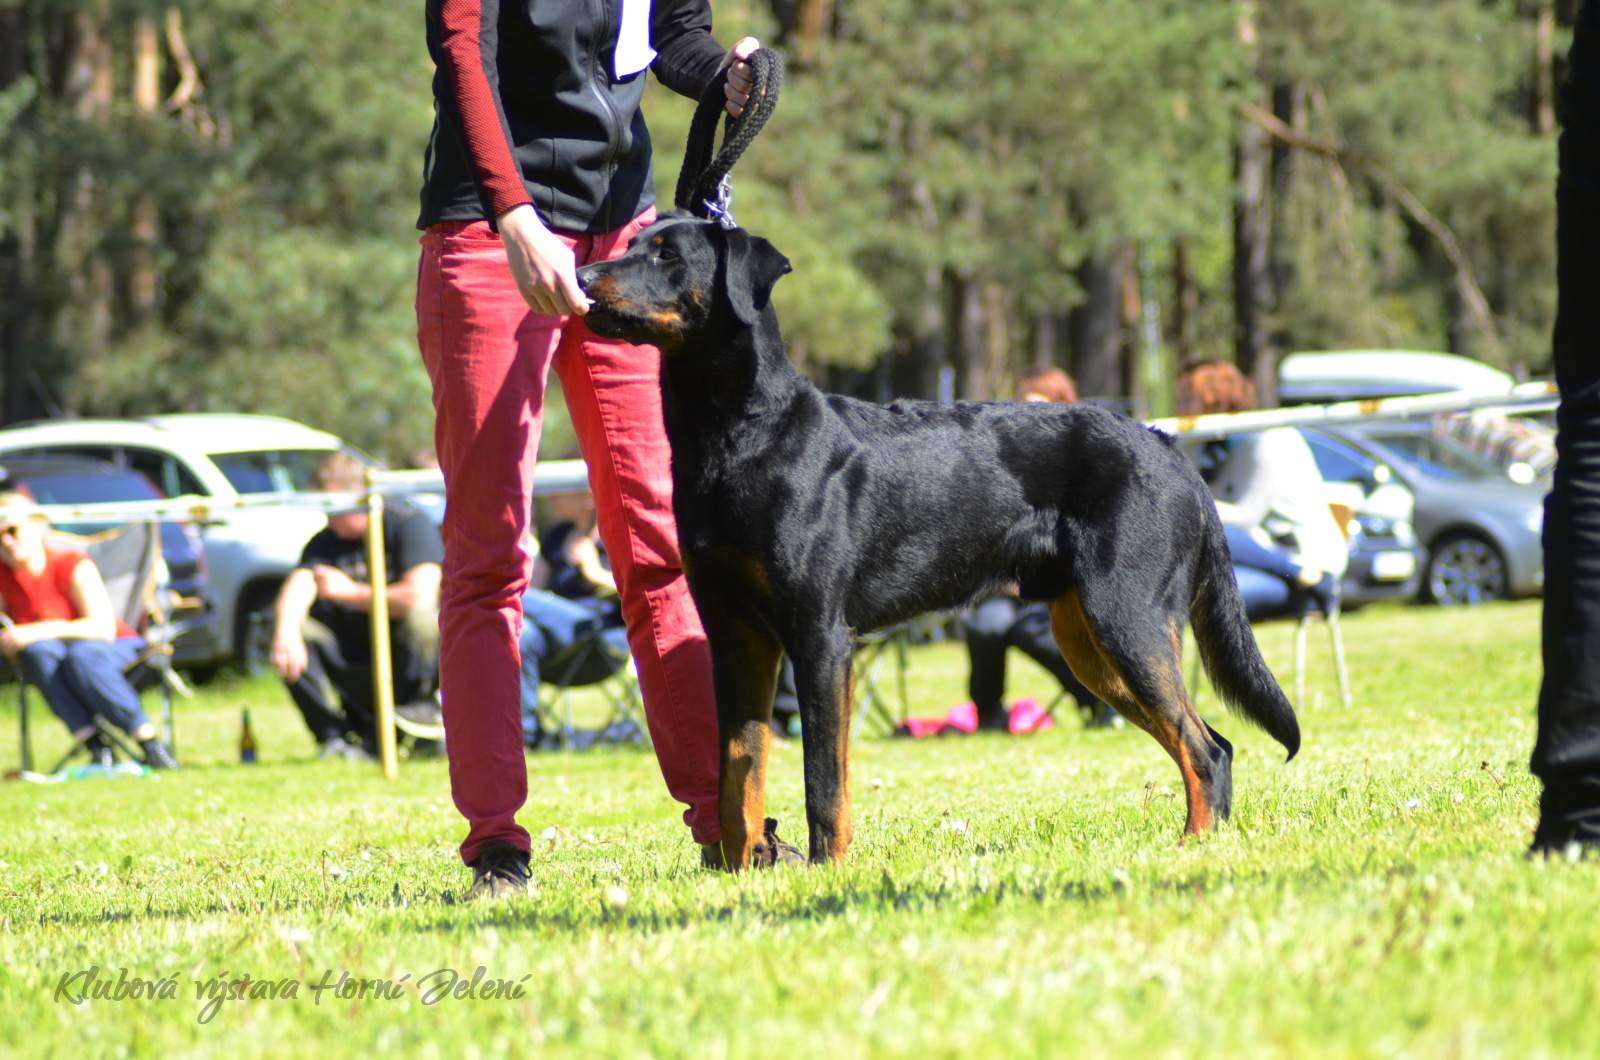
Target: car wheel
(1465,569)
(254,631)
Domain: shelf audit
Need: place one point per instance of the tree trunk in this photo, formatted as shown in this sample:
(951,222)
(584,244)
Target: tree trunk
(1097,326)
(1185,302)
(811,26)
(1252,242)
(964,330)
(920,349)
(1543,97)
(15,265)
(139,283)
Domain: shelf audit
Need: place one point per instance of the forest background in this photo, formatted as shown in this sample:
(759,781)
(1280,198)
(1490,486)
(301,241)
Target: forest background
(211,206)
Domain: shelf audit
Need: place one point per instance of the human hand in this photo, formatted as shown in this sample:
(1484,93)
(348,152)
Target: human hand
(11,642)
(544,267)
(289,655)
(740,77)
(335,586)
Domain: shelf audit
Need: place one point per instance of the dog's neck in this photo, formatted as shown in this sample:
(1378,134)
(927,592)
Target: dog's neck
(745,375)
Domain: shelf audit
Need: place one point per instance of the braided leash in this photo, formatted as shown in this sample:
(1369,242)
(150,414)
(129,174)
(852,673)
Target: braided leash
(703,185)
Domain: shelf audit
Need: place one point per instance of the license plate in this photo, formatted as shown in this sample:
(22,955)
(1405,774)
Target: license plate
(1393,566)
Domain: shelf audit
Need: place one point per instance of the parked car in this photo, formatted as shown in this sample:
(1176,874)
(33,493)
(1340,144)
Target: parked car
(219,457)
(1384,559)
(1480,528)
(79,480)
(1349,375)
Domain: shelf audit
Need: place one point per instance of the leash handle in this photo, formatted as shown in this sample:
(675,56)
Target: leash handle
(703,188)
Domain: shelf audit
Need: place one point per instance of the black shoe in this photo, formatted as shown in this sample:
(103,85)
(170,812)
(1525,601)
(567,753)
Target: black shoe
(1101,716)
(1322,597)
(768,851)
(158,755)
(338,748)
(99,754)
(999,722)
(499,871)
(1571,850)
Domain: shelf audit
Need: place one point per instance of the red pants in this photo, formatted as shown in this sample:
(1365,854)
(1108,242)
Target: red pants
(489,357)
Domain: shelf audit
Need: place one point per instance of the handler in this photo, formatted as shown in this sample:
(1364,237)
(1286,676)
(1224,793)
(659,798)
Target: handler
(1566,757)
(539,162)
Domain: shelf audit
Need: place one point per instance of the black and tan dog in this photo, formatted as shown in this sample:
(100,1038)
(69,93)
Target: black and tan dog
(806,517)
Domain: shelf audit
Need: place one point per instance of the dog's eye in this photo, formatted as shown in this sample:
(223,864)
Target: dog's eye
(666,254)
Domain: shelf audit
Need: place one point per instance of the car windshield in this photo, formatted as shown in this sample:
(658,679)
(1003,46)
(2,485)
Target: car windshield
(275,470)
(1439,457)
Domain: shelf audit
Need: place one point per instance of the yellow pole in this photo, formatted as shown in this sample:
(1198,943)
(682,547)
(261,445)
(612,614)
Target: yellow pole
(382,675)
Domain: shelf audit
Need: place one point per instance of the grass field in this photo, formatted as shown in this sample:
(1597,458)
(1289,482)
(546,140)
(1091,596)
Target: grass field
(1004,897)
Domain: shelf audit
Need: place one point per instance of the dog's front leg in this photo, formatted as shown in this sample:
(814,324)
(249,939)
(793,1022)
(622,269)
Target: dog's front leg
(823,681)
(744,665)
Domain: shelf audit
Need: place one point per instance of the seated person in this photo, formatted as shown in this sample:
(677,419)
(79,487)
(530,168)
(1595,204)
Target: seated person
(322,641)
(1006,622)
(60,628)
(1288,552)
(575,557)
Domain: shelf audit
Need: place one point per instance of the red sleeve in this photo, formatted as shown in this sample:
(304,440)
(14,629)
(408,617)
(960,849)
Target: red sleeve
(469,36)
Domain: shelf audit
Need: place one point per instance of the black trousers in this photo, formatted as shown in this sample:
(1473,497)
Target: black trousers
(334,693)
(1566,757)
(1001,623)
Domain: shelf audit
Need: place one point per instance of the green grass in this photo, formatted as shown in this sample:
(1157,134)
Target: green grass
(1004,897)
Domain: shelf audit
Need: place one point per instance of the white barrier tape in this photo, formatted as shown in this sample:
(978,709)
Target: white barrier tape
(552,476)
(566,476)
(1375,410)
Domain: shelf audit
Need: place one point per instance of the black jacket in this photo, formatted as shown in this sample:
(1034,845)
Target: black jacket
(527,107)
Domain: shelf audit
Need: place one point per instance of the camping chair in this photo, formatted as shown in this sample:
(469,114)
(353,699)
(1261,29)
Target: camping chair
(589,654)
(873,650)
(598,658)
(1343,515)
(129,560)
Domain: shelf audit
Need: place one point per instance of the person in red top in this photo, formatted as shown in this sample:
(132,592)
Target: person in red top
(57,624)
(540,162)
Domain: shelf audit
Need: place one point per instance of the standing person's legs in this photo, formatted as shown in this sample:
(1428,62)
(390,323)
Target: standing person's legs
(985,627)
(488,357)
(613,392)
(1566,757)
(1030,633)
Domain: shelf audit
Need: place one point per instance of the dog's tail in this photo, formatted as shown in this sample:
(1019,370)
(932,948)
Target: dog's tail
(1228,647)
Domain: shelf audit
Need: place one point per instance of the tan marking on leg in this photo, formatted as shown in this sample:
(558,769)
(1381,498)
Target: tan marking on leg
(841,816)
(1081,647)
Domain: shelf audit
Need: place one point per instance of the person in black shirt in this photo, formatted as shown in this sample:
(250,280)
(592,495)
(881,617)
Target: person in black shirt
(322,643)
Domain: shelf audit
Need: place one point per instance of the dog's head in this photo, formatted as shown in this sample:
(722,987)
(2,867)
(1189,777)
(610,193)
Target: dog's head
(682,279)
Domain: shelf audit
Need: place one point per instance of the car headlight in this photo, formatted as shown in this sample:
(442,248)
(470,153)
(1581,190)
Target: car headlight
(1534,520)
(1403,534)
(1375,525)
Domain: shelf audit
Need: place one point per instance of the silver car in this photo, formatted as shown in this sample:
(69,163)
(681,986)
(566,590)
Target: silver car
(1480,529)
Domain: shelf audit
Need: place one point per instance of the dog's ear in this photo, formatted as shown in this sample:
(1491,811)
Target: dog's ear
(750,267)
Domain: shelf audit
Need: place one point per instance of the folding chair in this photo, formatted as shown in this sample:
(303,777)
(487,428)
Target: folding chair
(873,650)
(598,658)
(129,561)
(1343,515)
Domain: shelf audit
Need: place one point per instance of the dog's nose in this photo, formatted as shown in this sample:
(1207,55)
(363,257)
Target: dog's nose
(585,274)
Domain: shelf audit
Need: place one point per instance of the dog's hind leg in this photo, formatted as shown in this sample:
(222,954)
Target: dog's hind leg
(1135,665)
(823,680)
(744,666)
